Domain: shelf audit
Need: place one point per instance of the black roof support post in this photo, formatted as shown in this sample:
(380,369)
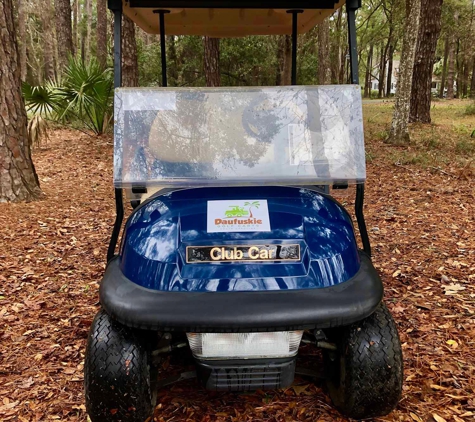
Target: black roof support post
(116,7)
(294,44)
(163,50)
(351,7)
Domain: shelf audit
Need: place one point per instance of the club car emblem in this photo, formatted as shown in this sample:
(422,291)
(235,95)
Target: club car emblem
(248,253)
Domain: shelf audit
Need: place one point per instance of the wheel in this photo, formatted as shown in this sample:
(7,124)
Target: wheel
(365,374)
(117,373)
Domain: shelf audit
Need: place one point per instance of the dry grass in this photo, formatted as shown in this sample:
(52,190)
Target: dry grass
(446,143)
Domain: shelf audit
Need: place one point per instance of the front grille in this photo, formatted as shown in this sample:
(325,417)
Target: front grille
(246,375)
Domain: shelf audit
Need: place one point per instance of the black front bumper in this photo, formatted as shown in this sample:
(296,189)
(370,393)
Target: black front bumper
(282,310)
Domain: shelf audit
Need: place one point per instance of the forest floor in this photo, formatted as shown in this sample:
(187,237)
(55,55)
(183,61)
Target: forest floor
(420,211)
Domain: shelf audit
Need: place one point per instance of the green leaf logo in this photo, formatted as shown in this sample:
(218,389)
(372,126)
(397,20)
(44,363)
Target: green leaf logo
(251,205)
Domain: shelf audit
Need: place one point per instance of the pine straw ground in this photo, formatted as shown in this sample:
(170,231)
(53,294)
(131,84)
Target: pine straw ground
(420,211)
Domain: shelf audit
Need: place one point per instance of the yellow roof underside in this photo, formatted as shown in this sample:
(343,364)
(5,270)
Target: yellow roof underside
(223,23)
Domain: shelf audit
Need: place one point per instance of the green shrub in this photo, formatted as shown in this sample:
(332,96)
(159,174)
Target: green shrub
(465,146)
(41,99)
(383,135)
(432,143)
(470,109)
(84,94)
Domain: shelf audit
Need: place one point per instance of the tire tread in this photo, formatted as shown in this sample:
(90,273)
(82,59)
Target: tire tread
(116,373)
(371,367)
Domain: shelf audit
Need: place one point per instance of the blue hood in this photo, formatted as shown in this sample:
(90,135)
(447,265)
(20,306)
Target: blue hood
(153,252)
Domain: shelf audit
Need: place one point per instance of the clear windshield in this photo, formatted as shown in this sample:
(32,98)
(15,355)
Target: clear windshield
(238,136)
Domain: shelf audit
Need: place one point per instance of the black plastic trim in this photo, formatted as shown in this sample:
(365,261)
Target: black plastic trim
(351,7)
(334,306)
(295,14)
(163,52)
(246,374)
(361,220)
(139,189)
(116,8)
(119,218)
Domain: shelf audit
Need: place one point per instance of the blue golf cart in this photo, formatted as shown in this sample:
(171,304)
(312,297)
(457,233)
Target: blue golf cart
(235,249)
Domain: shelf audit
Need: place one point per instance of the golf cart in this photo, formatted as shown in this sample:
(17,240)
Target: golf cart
(235,249)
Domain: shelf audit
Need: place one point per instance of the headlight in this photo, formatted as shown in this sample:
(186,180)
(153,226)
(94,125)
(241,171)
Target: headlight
(279,344)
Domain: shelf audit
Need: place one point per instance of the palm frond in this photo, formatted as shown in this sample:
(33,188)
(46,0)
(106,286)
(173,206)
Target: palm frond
(43,100)
(37,131)
(85,93)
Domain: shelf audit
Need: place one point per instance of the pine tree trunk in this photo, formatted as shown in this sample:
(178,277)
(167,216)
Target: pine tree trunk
(399,133)
(211,61)
(55,46)
(341,75)
(458,72)
(142,36)
(87,46)
(82,43)
(335,48)
(472,84)
(465,76)
(18,179)
(444,68)
(386,90)
(451,71)
(382,72)
(34,58)
(286,76)
(172,61)
(48,40)
(390,70)
(323,30)
(22,37)
(63,31)
(280,60)
(284,60)
(451,64)
(101,29)
(75,28)
(367,81)
(130,67)
(334,58)
(388,53)
(429,30)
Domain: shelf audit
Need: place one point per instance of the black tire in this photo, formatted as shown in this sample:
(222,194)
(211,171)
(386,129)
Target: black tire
(117,373)
(364,377)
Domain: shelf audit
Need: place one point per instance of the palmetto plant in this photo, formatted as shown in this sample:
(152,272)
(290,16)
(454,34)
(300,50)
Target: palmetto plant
(42,99)
(84,93)
(253,204)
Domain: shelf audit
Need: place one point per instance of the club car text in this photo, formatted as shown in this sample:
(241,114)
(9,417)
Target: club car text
(248,253)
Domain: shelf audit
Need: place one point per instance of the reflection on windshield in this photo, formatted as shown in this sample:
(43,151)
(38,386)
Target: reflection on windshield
(275,135)
(202,137)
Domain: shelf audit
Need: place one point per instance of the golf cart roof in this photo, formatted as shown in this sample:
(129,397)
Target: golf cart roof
(228,18)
